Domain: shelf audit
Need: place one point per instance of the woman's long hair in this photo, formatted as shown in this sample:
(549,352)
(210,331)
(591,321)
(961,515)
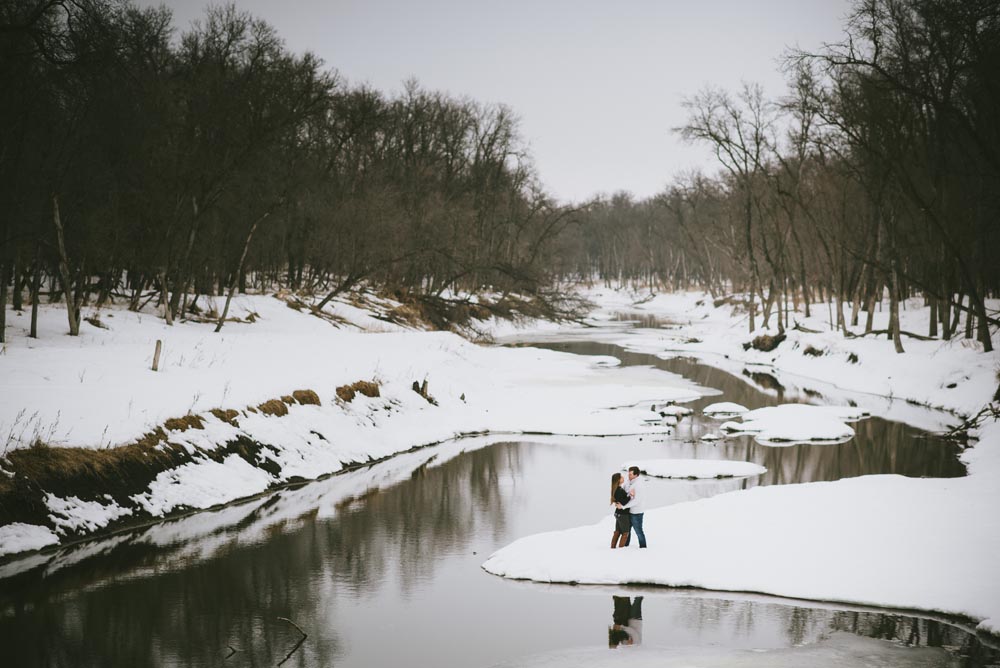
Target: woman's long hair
(616,479)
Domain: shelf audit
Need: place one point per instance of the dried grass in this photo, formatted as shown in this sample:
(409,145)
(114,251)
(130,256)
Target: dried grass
(368,388)
(274,407)
(82,472)
(766,343)
(185,423)
(226,415)
(306,397)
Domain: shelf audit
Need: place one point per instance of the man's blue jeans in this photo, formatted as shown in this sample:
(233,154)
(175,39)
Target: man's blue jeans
(637,527)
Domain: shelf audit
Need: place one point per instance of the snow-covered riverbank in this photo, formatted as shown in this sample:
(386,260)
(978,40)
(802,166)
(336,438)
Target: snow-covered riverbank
(223,409)
(882,540)
(953,375)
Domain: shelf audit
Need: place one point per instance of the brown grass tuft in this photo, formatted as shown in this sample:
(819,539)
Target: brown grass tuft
(226,415)
(274,407)
(185,423)
(152,438)
(287,399)
(766,343)
(306,397)
(83,472)
(365,387)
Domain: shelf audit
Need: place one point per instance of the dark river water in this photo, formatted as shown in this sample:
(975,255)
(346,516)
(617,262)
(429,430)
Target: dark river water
(381,566)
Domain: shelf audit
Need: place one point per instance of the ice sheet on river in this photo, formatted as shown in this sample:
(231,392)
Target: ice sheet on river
(886,540)
(797,423)
(696,468)
(724,409)
(839,650)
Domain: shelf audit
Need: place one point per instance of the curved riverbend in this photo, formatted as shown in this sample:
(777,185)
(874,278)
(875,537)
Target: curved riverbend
(381,566)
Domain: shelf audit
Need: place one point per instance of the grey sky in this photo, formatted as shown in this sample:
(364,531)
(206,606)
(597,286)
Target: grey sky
(597,84)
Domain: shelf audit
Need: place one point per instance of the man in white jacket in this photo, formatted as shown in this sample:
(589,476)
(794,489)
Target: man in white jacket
(637,506)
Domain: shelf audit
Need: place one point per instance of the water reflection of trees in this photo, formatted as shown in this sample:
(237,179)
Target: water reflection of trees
(409,527)
(85,615)
(879,446)
(803,625)
(917,632)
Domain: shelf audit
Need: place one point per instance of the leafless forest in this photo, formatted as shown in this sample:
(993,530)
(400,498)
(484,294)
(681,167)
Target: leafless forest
(147,165)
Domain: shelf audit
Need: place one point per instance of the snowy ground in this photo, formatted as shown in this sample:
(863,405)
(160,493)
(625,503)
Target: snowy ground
(880,540)
(883,540)
(953,375)
(97,390)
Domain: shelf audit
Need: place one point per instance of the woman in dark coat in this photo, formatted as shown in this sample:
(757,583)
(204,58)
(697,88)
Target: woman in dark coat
(623,521)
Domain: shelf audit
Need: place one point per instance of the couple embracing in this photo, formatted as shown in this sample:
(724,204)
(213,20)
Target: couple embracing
(629,502)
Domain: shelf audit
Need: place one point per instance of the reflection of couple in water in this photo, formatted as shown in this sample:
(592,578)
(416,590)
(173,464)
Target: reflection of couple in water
(626,628)
(627,498)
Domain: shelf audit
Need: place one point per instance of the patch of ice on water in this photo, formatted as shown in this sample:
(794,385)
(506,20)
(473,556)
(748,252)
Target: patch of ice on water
(696,468)
(724,409)
(837,650)
(797,423)
(674,410)
(833,526)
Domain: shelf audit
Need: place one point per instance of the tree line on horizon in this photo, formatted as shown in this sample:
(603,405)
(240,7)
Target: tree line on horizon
(878,174)
(140,164)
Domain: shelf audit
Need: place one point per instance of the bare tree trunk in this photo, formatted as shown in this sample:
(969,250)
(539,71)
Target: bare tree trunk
(969,318)
(168,315)
(767,304)
(17,301)
(3,302)
(956,317)
(932,330)
(841,318)
(984,324)
(239,271)
(858,291)
(183,271)
(36,284)
(67,284)
(894,309)
(873,296)
(944,313)
(828,298)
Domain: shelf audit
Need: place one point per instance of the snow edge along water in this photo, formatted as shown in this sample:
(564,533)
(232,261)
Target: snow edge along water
(705,529)
(232,451)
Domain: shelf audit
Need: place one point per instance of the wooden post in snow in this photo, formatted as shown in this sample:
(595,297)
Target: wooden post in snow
(156,355)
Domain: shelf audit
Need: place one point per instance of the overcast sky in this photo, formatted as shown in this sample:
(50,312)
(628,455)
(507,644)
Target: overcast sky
(597,84)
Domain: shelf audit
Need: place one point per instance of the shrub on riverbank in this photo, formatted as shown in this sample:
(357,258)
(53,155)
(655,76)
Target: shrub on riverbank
(306,397)
(185,423)
(347,393)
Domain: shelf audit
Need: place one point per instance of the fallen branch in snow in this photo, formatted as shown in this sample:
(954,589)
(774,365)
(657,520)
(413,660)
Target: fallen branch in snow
(805,329)
(961,432)
(877,332)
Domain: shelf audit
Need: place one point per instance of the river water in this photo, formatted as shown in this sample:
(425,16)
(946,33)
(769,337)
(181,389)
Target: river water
(381,566)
